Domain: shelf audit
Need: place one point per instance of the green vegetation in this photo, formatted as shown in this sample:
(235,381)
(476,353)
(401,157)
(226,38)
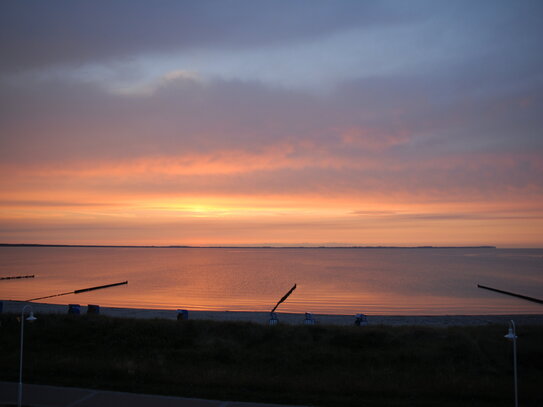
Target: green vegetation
(308,365)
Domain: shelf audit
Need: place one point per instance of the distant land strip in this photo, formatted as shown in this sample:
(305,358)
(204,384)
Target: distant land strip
(241,247)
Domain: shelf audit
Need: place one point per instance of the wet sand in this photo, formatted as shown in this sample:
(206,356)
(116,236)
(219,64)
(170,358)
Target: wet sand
(287,318)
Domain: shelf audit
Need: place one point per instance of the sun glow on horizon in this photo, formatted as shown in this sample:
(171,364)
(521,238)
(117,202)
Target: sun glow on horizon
(356,124)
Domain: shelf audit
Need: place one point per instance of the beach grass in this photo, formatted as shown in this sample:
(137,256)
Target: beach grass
(307,365)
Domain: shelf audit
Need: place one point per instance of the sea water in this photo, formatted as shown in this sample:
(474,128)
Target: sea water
(391,281)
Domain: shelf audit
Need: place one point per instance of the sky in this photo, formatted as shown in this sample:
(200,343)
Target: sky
(309,122)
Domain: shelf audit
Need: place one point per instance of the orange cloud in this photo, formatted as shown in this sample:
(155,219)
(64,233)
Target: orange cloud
(297,192)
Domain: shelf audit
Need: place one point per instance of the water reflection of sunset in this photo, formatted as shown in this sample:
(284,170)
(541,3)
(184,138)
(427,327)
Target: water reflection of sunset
(332,281)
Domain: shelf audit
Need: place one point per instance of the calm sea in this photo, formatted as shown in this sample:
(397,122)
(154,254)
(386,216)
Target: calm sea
(334,281)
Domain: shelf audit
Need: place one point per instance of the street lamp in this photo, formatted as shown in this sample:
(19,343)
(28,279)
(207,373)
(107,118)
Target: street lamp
(30,318)
(511,335)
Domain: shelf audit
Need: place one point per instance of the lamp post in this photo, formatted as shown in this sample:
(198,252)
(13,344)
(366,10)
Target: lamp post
(511,335)
(30,318)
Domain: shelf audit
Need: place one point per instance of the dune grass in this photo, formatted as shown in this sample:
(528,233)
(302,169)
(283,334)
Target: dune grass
(308,365)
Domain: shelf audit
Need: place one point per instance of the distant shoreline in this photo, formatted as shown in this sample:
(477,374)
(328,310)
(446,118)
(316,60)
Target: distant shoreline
(238,247)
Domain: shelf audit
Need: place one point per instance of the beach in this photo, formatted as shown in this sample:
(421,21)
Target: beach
(286,318)
(446,360)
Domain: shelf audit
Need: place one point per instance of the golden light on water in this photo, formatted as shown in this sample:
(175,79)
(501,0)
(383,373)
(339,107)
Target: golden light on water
(329,281)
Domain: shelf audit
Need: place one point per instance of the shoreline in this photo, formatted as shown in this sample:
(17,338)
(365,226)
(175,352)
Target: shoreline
(285,318)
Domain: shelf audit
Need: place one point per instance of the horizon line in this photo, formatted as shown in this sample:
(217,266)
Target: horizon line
(263,246)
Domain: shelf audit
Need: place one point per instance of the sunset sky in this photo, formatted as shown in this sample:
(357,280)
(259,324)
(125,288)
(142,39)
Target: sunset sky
(272,122)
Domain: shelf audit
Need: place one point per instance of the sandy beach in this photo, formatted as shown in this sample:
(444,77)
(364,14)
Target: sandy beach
(287,318)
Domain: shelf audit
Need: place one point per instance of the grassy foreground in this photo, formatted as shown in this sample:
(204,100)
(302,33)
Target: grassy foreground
(308,365)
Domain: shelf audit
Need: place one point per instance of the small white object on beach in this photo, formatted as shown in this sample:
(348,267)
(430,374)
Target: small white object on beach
(309,319)
(273,318)
(361,320)
(182,314)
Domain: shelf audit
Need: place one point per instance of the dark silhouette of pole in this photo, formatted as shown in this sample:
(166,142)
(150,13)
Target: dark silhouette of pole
(82,290)
(30,318)
(284,297)
(15,277)
(512,335)
(524,297)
